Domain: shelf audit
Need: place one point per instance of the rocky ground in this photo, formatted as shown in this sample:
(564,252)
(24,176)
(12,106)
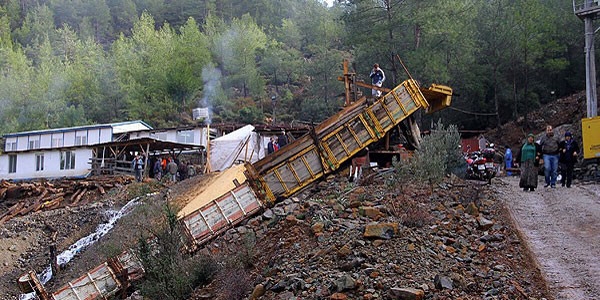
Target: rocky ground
(337,240)
(341,241)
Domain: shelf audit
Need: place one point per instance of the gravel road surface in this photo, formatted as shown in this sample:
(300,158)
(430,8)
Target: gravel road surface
(562,229)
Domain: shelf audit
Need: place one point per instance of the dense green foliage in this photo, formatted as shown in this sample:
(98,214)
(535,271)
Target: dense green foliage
(75,62)
(437,157)
(168,274)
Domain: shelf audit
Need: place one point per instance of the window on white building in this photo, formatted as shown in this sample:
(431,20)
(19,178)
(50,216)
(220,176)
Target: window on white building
(57,142)
(34,144)
(67,160)
(39,162)
(186,137)
(12,163)
(81,140)
(161,136)
(11,146)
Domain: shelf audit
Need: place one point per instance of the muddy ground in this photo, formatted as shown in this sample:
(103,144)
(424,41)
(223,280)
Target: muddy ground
(561,227)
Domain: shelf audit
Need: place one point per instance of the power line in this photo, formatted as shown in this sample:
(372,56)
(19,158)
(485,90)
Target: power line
(472,113)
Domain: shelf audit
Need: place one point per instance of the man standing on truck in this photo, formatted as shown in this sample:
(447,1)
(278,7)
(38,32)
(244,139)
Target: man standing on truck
(377,79)
(550,150)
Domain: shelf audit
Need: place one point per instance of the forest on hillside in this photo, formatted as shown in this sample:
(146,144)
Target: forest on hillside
(77,62)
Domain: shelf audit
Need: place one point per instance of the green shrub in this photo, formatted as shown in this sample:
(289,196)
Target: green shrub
(168,274)
(439,155)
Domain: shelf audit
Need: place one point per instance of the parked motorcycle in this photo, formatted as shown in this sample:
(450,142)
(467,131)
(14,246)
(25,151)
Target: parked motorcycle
(481,165)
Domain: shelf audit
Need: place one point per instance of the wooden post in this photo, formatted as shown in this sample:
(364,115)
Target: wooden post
(53,255)
(146,169)
(346,84)
(207,168)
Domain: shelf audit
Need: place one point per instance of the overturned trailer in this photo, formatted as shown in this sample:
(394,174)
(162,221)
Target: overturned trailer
(242,191)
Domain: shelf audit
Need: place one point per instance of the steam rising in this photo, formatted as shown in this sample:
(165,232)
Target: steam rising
(211,77)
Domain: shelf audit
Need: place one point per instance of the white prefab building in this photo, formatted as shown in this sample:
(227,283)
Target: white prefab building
(196,136)
(62,152)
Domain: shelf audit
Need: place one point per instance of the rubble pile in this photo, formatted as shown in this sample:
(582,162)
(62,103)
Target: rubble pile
(569,110)
(345,242)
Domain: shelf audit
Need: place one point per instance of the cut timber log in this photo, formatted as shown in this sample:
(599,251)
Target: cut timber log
(21,198)
(78,197)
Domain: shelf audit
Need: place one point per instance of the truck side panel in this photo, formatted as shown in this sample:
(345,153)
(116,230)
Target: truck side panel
(104,280)
(98,283)
(220,214)
(335,141)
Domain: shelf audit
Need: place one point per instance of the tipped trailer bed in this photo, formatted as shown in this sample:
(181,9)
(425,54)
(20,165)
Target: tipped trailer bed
(333,142)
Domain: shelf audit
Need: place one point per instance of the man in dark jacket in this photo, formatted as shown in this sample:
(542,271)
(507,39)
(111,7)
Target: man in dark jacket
(550,150)
(182,170)
(569,149)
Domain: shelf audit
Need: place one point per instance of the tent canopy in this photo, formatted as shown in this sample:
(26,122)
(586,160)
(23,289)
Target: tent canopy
(239,146)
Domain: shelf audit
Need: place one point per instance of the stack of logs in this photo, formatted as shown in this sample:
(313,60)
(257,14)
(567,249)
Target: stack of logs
(21,198)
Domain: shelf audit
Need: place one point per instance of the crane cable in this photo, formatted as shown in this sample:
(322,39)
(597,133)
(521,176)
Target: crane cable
(457,109)
(472,113)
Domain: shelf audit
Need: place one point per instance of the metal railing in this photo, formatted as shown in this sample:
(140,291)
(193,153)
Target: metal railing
(587,4)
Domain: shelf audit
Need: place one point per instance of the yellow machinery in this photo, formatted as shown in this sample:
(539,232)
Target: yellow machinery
(590,131)
(438,96)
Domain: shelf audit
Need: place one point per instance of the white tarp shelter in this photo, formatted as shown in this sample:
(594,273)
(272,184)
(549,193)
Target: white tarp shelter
(242,145)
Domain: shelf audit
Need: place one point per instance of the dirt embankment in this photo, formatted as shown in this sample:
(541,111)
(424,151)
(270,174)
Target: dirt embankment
(569,110)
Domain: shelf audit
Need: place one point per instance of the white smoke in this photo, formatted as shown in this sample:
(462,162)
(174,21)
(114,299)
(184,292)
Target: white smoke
(212,79)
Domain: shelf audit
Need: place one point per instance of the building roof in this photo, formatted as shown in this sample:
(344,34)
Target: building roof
(120,127)
(153,145)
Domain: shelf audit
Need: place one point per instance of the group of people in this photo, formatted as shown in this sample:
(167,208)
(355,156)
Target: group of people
(276,142)
(174,170)
(551,151)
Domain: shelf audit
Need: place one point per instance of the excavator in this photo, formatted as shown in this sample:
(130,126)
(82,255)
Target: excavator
(240,192)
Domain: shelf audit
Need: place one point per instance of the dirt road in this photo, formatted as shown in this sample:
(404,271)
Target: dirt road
(562,229)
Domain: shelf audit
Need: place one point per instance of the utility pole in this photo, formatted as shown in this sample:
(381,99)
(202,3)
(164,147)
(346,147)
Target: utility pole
(588,11)
(273,101)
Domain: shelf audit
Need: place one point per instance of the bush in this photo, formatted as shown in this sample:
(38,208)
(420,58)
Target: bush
(439,155)
(168,275)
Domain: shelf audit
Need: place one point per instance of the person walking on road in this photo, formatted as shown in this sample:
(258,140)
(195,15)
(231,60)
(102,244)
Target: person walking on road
(528,158)
(569,149)
(508,160)
(550,149)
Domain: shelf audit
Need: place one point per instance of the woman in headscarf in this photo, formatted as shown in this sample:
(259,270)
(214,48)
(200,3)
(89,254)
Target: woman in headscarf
(529,157)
